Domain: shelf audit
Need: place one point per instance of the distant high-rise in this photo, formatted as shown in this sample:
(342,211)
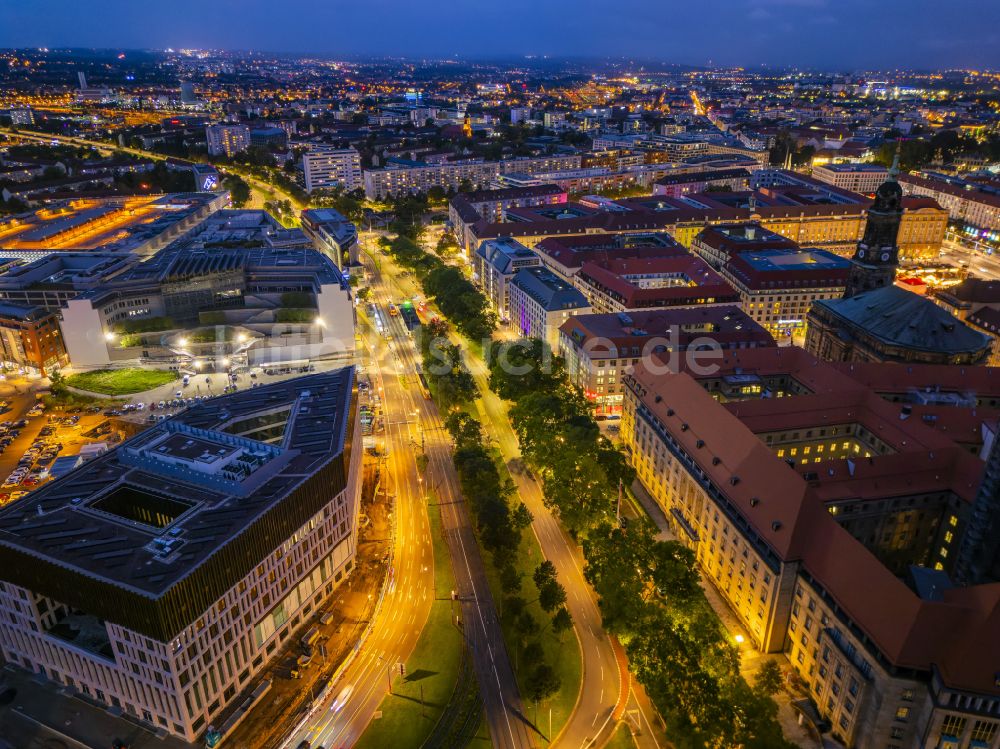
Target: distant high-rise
(227,139)
(82,78)
(187,93)
(325,167)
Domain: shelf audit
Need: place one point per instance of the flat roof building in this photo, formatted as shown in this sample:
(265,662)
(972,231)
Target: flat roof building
(649,282)
(227,140)
(495,264)
(778,287)
(332,234)
(159,577)
(325,168)
(540,302)
(138,225)
(862,178)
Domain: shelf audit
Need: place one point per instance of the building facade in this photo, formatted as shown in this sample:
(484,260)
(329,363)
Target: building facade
(862,178)
(600,349)
(540,302)
(777,287)
(495,264)
(227,140)
(326,168)
(200,545)
(877,663)
(30,339)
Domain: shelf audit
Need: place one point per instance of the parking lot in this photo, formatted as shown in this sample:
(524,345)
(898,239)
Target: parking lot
(29,445)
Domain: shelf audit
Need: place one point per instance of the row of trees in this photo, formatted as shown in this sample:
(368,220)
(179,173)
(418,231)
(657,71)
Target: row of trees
(648,590)
(457,298)
(501,520)
(444,366)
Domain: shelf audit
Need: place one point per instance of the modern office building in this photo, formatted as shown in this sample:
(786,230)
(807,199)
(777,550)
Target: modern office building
(777,287)
(52,280)
(331,233)
(325,168)
(540,302)
(829,518)
(495,264)
(185,306)
(30,339)
(161,577)
(227,140)
(600,349)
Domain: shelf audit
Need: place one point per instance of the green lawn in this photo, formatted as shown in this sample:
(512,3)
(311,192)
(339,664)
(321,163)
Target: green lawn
(562,652)
(622,738)
(120,381)
(434,664)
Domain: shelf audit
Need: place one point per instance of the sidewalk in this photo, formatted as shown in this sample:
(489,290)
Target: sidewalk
(352,605)
(40,717)
(751,659)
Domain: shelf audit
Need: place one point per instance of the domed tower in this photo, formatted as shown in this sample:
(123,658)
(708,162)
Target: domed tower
(877,255)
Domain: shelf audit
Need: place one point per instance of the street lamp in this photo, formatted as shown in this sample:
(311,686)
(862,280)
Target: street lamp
(109,336)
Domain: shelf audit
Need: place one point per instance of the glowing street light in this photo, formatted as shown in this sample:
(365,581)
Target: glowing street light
(109,336)
(183,342)
(739,639)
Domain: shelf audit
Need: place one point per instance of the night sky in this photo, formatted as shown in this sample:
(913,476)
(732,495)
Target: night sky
(834,34)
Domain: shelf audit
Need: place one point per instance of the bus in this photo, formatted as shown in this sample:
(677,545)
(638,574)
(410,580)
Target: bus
(422,381)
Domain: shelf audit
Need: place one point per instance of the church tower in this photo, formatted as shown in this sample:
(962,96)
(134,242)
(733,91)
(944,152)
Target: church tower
(877,255)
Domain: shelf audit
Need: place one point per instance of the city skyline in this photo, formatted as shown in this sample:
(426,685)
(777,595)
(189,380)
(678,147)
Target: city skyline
(814,33)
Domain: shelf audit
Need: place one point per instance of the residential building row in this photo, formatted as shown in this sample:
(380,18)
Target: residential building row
(404,177)
(810,216)
(830,506)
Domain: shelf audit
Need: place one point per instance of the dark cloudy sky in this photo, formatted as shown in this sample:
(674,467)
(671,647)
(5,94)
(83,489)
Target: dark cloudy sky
(841,34)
